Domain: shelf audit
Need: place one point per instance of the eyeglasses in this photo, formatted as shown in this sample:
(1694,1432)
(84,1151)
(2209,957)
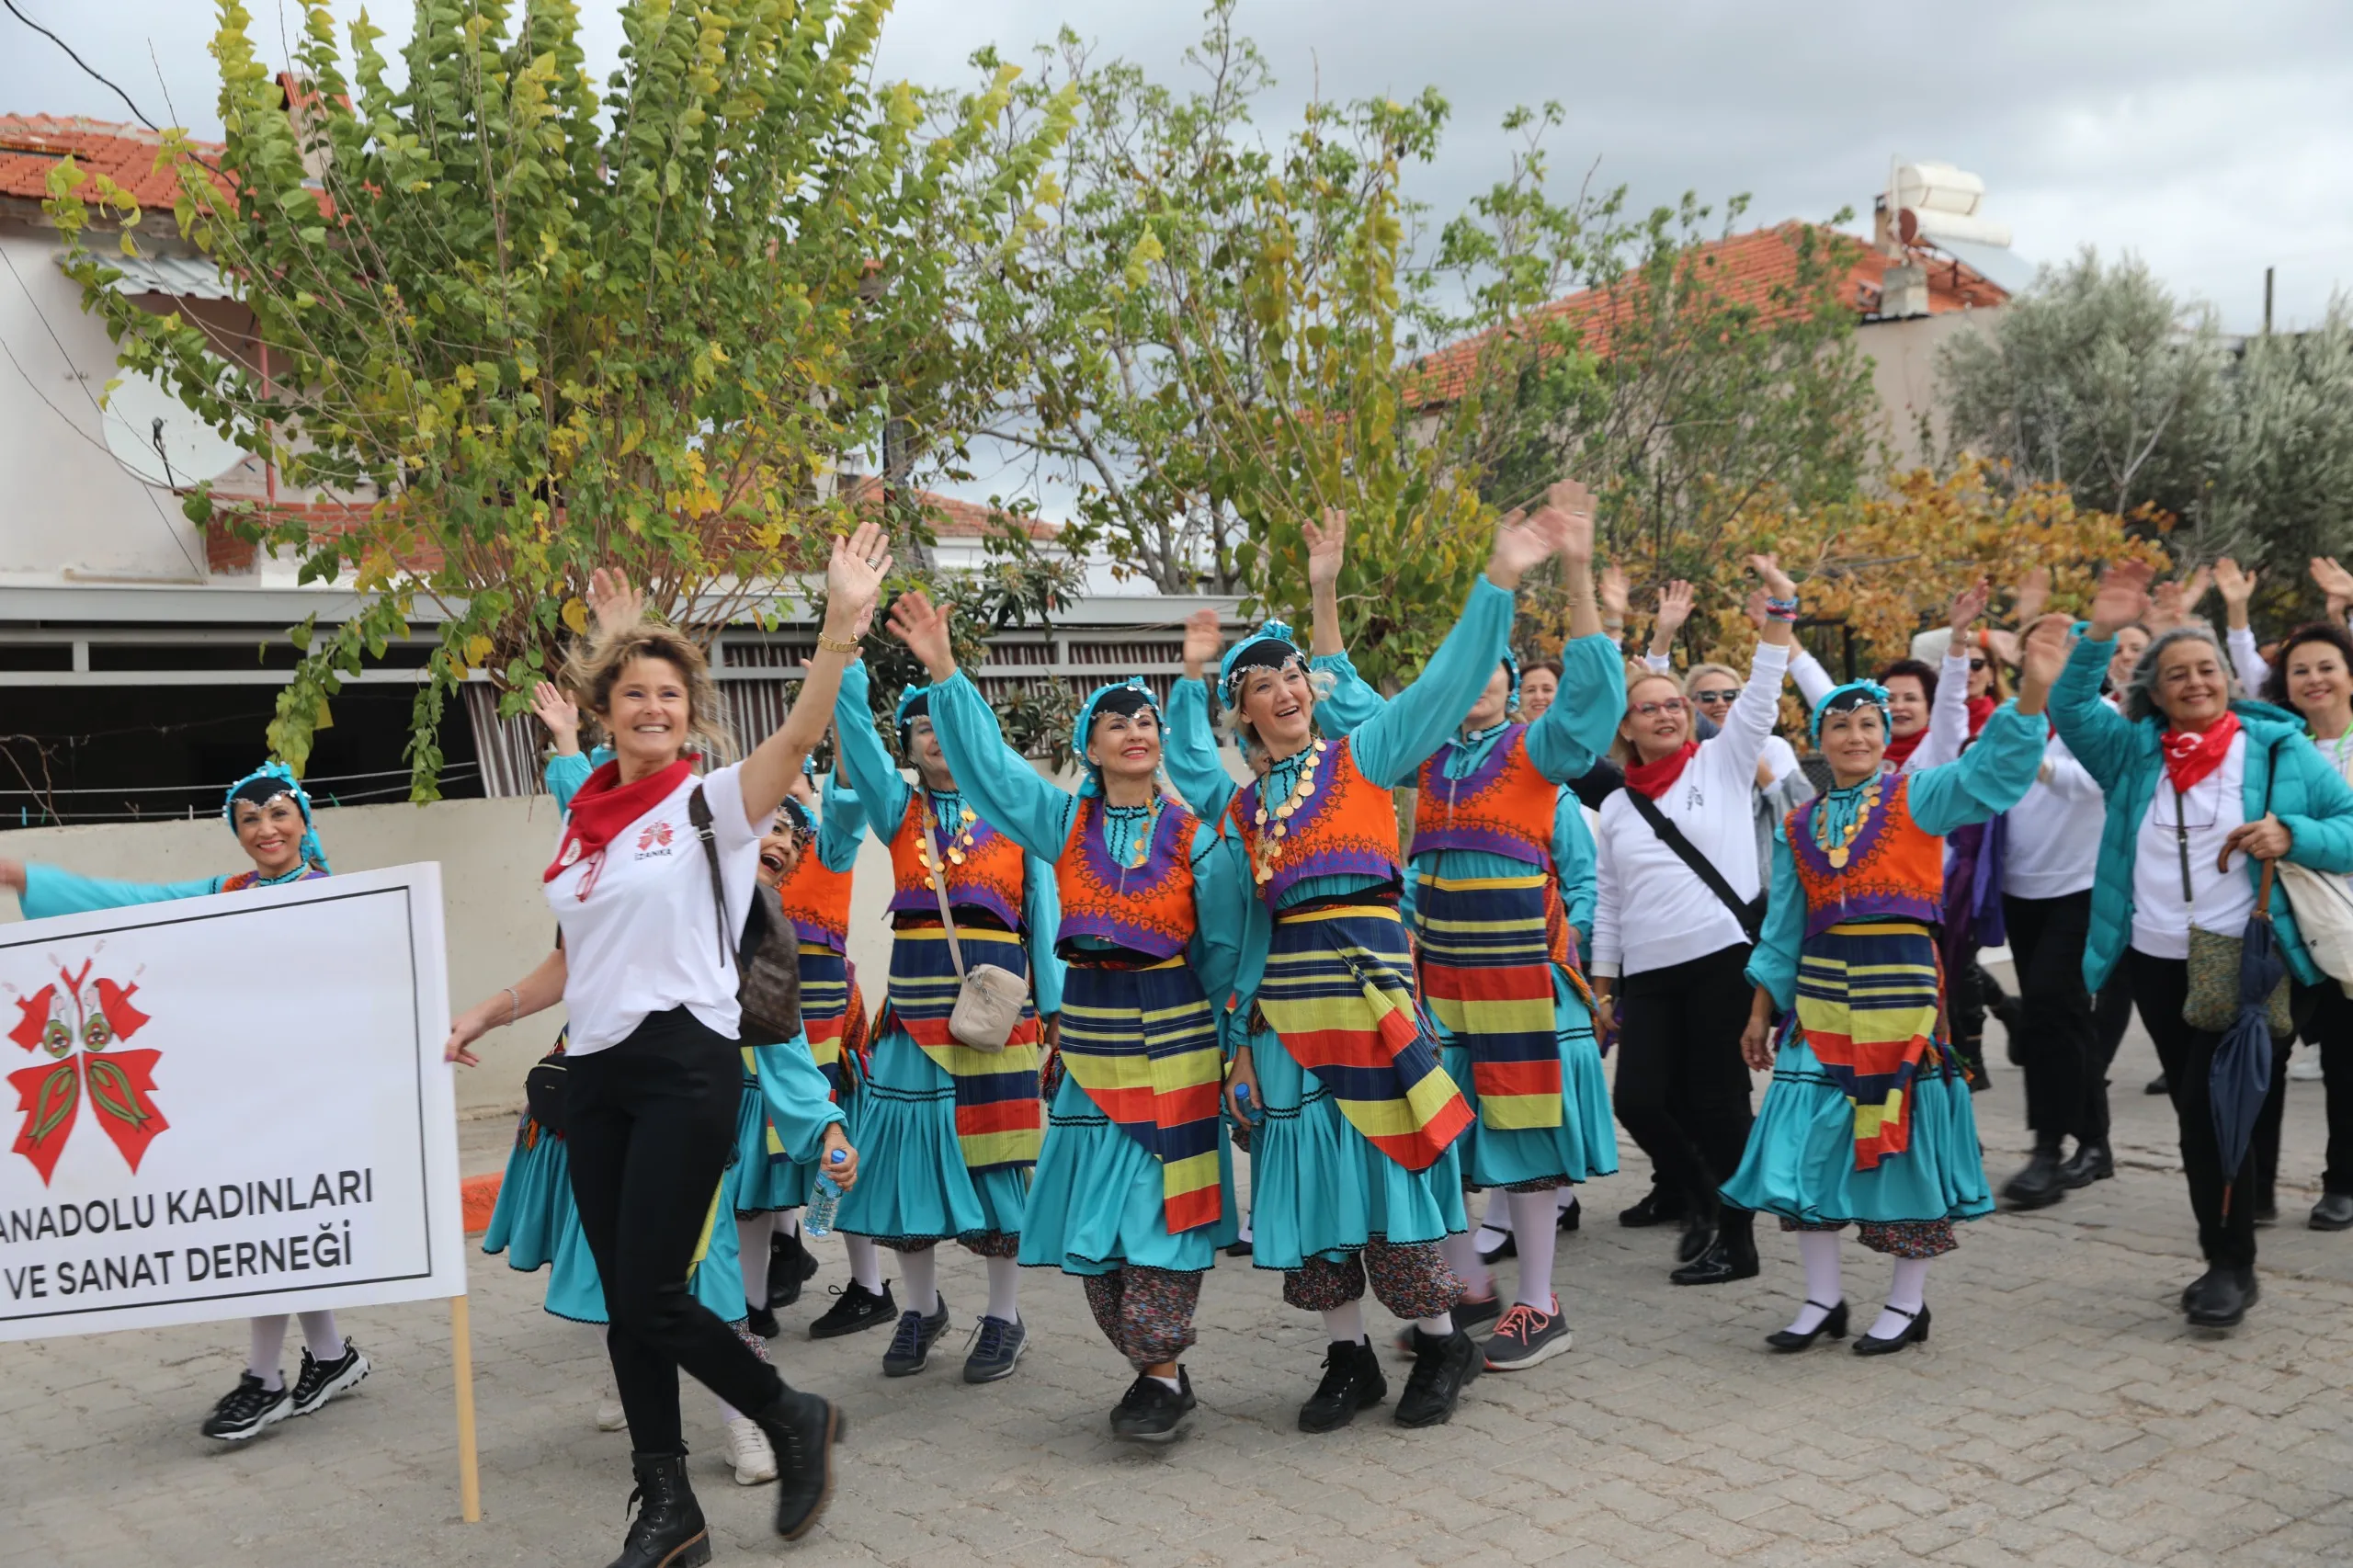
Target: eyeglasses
(1727,695)
(1665,705)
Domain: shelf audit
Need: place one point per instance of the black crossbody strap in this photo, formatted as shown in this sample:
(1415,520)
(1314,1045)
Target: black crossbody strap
(1672,837)
(699,813)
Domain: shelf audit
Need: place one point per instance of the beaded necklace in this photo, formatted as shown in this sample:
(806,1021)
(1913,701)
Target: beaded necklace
(1273,827)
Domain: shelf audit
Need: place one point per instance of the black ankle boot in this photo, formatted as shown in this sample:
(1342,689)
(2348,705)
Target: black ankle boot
(1352,1382)
(802,1429)
(668,1531)
(2039,1184)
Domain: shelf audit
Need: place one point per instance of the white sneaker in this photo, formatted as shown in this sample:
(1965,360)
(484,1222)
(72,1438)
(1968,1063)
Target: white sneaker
(748,1446)
(2305,1068)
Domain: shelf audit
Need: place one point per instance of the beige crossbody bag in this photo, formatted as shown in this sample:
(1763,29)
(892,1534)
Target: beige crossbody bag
(988,996)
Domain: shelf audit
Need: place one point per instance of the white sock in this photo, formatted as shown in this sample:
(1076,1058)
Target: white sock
(1171,1384)
(1005,1290)
(865,1262)
(318,1333)
(1345,1324)
(1534,1222)
(1461,1254)
(1818,1250)
(269,1344)
(752,1257)
(787,1221)
(920,1270)
(1245,1234)
(1438,1328)
(1908,1291)
(1564,1199)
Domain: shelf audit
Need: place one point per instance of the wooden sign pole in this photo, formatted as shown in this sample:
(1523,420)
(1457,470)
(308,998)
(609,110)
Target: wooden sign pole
(461,1355)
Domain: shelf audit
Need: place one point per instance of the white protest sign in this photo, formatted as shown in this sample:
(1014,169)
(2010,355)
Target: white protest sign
(228,1106)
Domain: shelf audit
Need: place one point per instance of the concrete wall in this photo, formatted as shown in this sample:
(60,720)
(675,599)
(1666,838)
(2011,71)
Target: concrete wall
(497,924)
(1904,374)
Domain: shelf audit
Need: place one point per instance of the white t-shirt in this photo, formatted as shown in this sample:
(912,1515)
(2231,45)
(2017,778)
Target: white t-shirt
(2054,831)
(645,939)
(2219,901)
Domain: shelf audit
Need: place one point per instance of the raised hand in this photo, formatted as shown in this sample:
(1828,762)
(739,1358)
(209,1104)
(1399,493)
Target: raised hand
(1754,608)
(615,605)
(1674,609)
(1574,503)
(1968,605)
(1777,584)
(2121,598)
(1327,548)
(1204,641)
(2237,587)
(924,627)
(1616,599)
(2033,595)
(1525,544)
(559,713)
(2043,653)
(2332,579)
(853,578)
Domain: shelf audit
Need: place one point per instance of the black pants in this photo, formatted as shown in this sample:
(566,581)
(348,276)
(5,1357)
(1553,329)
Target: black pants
(2160,986)
(649,1124)
(2111,1015)
(1682,1089)
(2058,1037)
(2325,1019)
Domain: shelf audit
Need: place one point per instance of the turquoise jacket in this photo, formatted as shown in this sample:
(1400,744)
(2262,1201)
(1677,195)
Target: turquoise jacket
(2126,756)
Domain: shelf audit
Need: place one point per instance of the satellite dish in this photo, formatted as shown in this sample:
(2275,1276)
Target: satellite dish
(194,450)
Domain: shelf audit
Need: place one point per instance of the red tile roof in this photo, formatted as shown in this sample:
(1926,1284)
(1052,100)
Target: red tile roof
(31,145)
(1747,269)
(952,519)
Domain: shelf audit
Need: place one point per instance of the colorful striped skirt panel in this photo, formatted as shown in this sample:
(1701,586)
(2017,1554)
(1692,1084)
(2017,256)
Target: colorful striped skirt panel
(1487,976)
(1142,1044)
(999,1119)
(1869,1006)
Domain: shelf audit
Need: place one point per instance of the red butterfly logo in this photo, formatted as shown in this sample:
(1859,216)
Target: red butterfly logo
(81,1025)
(656,832)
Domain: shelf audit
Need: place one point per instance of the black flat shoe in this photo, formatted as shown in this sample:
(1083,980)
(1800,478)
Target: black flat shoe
(1570,1217)
(2333,1212)
(1239,1248)
(2220,1298)
(2037,1187)
(1658,1207)
(1834,1325)
(2157,1085)
(2088,1163)
(1915,1332)
(1694,1242)
(1508,1247)
(1720,1264)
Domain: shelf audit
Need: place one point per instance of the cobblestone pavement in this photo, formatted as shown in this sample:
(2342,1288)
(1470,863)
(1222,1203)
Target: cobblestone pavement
(2062,1414)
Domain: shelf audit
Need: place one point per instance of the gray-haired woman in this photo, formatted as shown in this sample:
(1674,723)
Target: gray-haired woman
(2201,787)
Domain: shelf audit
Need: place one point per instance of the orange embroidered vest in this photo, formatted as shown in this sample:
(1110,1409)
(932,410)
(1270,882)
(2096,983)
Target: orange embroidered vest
(1892,868)
(1347,825)
(1502,807)
(1146,909)
(983,867)
(817,899)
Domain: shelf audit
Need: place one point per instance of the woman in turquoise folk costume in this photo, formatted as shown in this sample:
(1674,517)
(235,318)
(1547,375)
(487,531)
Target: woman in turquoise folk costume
(950,1133)
(270,813)
(1353,1171)
(1497,843)
(1134,1191)
(1868,1119)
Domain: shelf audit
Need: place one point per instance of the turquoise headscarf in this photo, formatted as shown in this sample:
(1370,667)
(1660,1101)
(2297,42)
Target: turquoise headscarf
(264,784)
(914,703)
(1126,693)
(1271,646)
(1854,694)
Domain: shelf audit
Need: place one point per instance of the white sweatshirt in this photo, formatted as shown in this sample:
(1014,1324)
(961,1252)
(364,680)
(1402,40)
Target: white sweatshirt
(2053,846)
(1650,910)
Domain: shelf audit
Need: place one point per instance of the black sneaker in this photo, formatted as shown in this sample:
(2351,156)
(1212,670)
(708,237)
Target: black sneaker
(762,1322)
(1441,1367)
(1471,1315)
(791,1265)
(1352,1382)
(802,1429)
(910,1349)
(246,1409)
(323,1381)
(997,1347)
(1151,1411)
(855,1306)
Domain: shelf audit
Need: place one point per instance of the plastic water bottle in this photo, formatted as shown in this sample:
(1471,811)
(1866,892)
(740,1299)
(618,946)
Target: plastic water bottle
(1250,1111)
(817,1219)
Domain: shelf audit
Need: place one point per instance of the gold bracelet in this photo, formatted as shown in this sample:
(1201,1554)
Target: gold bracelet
(829,646)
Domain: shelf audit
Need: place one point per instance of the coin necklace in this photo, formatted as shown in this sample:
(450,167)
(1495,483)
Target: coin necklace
(1270,836)
(1133,860)
(1837,854)
(960,837)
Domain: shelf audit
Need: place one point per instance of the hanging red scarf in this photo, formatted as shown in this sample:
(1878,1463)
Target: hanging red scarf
(2191,755)
(1900,747)
(1656,778)
(1980,709)
(604,806)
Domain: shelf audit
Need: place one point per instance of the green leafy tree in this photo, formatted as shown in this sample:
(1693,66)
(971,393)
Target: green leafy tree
(529,331)
(2284,489)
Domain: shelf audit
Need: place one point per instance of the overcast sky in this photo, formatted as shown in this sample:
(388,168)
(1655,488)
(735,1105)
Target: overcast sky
(2212,139)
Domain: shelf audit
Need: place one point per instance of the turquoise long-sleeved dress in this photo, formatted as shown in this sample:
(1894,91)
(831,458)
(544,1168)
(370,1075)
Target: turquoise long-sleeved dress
(913,1182)
(1563,744)
(1318,1189)
(537,1223)
(1097,1202)
(1800,1158)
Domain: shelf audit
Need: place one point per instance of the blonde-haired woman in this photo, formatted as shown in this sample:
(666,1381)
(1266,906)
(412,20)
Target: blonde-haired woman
(647,973)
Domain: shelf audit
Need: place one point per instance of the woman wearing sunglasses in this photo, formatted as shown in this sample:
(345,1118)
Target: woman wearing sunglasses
(1674,919)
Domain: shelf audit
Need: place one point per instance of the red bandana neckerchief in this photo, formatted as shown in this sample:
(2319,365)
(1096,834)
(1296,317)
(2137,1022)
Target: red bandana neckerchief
(1980,709)
(604,806)
(2191,755)
(1900,747)
(1656,778)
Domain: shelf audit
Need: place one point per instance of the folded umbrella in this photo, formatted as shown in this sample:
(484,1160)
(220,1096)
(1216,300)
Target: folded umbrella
(2241,1074)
